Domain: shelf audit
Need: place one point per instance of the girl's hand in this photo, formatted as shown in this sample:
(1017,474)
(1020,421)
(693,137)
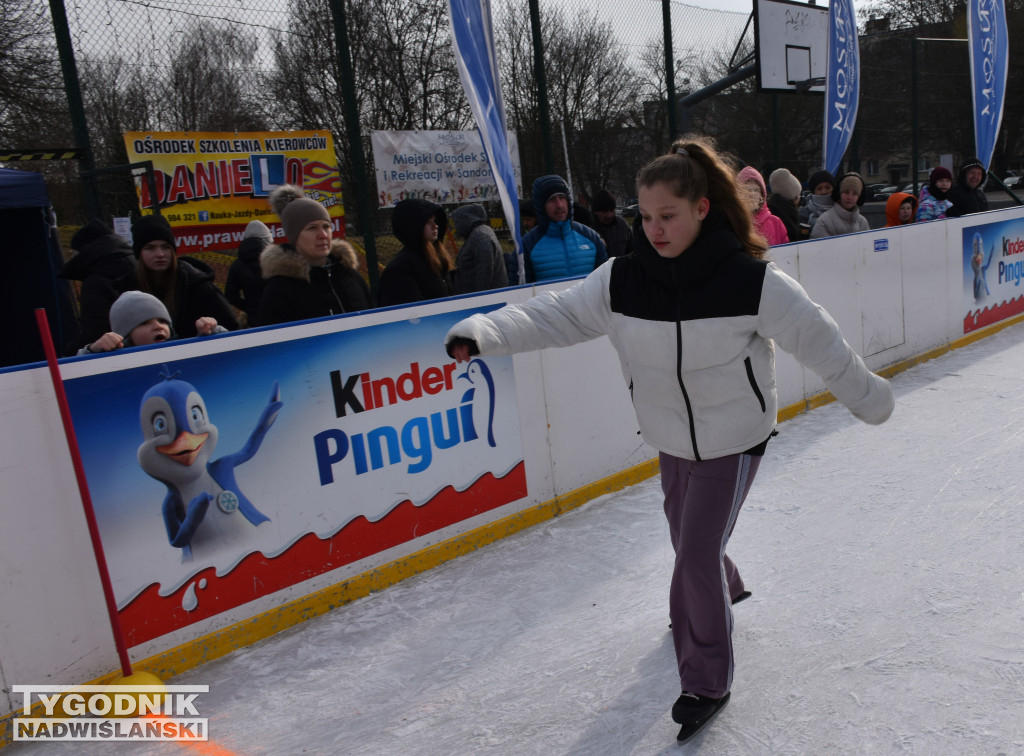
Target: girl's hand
(462,349)
(460,352)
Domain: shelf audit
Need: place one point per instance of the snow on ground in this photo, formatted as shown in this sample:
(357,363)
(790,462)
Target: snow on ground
(886,566)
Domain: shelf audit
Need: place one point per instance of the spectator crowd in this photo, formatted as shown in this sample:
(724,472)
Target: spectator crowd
(144,292)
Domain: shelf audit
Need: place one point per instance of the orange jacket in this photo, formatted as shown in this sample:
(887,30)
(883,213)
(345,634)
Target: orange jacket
(892,208)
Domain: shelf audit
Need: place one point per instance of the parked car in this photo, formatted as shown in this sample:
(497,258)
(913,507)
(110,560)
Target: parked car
(885,192)
(1010,182)
(871,190)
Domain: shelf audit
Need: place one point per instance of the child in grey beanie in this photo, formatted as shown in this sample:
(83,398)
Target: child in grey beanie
(140,319)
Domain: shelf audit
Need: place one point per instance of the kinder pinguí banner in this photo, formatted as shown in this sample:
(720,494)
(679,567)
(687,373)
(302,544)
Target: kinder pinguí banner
(221,478)
(993,267)
(445,167)
(209,185)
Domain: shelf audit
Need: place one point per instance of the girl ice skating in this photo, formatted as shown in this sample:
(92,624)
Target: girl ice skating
(694,314)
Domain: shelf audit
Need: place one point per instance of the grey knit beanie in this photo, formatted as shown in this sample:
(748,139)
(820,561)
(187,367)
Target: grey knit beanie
(784,183)
(296,210)
(258,229)
(134,308)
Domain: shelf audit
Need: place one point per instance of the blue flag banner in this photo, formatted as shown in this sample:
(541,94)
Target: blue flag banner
(842,86)
(990,56)
(473,37)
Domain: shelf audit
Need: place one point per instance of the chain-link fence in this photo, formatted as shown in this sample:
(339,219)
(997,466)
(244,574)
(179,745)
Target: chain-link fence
(239,65)
(249,65)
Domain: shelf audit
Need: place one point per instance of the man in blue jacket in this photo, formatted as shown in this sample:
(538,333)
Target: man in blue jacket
(558,247)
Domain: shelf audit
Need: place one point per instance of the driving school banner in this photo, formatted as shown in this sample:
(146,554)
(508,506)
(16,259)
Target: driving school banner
(445,167)
(993,271)
(209,185)
(221,478)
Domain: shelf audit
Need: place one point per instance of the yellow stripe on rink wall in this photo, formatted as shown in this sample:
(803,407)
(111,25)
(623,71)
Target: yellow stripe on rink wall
(244,633)
(222,642)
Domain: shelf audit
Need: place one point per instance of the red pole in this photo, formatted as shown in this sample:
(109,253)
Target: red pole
(83,489)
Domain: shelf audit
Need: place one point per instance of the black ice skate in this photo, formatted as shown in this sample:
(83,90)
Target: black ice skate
(693,712)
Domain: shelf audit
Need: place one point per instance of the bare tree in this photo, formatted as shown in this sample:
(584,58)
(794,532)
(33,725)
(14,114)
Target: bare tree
(118,97)
(304,84)
(945,107)
(913,14)
(403,65)
(763,129)
(33,111)
(519,86)
(208,85)
(118,93)
(592,90)
(651,75)
(409,67)
(211,85)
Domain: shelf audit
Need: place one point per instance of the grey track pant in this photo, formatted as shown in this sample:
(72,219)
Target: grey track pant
(702,500)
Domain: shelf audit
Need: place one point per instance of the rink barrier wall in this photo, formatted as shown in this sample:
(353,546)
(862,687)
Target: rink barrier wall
(898,307)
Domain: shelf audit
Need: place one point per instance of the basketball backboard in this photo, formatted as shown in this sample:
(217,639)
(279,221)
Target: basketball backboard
(791,43)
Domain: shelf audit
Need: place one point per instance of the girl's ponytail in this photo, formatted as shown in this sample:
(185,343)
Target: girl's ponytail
(694,168)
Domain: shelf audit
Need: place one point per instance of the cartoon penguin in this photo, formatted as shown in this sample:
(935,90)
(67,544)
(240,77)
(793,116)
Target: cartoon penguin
(980,270)
(479,375)
(179,440)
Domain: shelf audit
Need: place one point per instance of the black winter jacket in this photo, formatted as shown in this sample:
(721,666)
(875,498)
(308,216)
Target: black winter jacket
(965,200)
(617,236)
(244,287)
(787,211)
(97,265)
(409,277)
(295,290)
(195,296)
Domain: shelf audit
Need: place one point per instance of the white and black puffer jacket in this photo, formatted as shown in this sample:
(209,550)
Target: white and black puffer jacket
(695,338)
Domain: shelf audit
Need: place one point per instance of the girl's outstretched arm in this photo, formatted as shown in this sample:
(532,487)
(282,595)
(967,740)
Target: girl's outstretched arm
(552,319)
(805,330)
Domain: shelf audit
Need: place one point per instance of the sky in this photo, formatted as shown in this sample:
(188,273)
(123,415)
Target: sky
(886,572)
(740,6)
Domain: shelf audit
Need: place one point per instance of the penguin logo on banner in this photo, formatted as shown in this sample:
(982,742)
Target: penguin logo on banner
(178,443)
(481,397)
(980,266)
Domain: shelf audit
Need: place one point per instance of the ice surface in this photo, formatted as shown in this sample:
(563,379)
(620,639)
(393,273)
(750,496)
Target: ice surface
(886,565)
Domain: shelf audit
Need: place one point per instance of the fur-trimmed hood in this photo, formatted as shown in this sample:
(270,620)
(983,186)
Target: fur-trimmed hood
(283,260)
